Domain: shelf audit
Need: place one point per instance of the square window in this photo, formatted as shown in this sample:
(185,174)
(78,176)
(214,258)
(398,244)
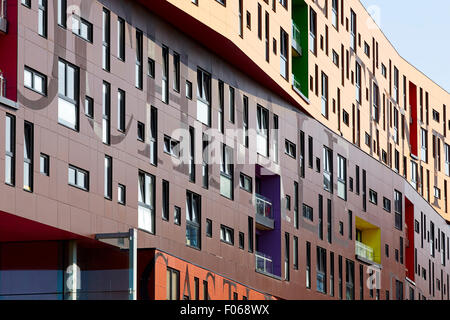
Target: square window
(45,164)
(140,131)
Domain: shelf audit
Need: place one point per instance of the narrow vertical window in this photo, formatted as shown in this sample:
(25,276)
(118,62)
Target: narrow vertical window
(10,149)
(146,202)
(205,159)
(42,18)
(204,97)
(250,234)
(245,123)
(286,257)
(275,140)
(262,131)
(193,218)
(296,213)
(44,164)
(284,56)
(28,146)
(335,15)
(165,75)
(176,72)
(302,154)
(165,200)
(295,253)
(68,92)
(395,84)
(259,21)
(106,118)
(191,154)
(320,223)
(308,265)
(312,31)
(106,39)
(62,13)
(121,38)
(324,95)
(329,222)
(139,67)
(121,194)
(353,30)
(108,177)
(267,42)
(342,177)
(241,19)
(231,104)
(226,172)
(121,110)
(328,169)
(221,106)
(358,82)
(153,136)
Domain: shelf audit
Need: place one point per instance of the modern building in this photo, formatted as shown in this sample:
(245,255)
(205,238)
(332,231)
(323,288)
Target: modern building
(207,149)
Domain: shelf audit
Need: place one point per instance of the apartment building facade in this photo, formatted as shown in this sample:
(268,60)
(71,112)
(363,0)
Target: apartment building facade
(210,150)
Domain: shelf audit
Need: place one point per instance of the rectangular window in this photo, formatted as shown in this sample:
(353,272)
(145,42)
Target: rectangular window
(42,18)
(205,161)
(290,149)
(221,116)
(28,149)
(350,280)
(227,235)
(231,104)
(447,159)
(151,68)
(121,38)
(308,212)
(321,270)
(89,107)
(284,56)
(146,201)
(121,194)
(106,39)
(121,110)
(398,210)
(302,154)
(108,178)
(82,28)
(395,85)
(153,136)
(68,92)
(106,114)
(308,265)
(191,154)
(165,75)
(320,224)
(44,164)
(373,197)
(262,130)
(353,30)
(62,13)
(335,15)
(386,204)
(177,215)
(204,97)
(171,146)
(245,182)
(312,31)
(327,169)
(295,253)
(350,224)
(176,72)
(139,63)
(250,234)
(226,172)
(193,218)
(296,217)
(78,178)
(245,123)
(209,228)
(140,131)
(275,140)
(342,177)
(329,221)
(267,37)
(332,274)
(172,284)
(165,200)
(358,82)
(259,21)
(310,152)
(324,95)
(414,172)
(376,103)
(424,146)
(241,19)
(241,240)
(10,149)
(35,81)
(286,257)
(340,267)
(188,89)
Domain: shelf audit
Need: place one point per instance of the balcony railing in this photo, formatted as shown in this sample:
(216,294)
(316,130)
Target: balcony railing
(263,206)
(263,263)
(296,40)
(363,250)
(2,85)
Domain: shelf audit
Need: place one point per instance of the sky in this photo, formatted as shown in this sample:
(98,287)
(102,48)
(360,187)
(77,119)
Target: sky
(420,32)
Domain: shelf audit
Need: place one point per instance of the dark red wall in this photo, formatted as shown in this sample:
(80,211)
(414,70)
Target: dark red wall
(409,256)
(8,51)
(413,126)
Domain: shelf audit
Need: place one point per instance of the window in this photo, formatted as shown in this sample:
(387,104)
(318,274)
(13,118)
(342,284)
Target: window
(177,215)
(165,200)
(26,3)
(327,169)
(398,210)
(336,58)
(121,194)
(259,21)
(226,234)
(283,3)
(241,18)
(106,37)
(10,149)
(146,201)
(437,193)
(108,178)
(165,75)
(312,31)
(35,81)
(226,172)
(447,159)
(28,149)
(383,70)
(208,228)
(350,280)
(386,204)
(320,224)
(424,145)
(414,174)
(290,149)
(321,270)
(42,18)
(62,13)
(82,28)
(223,2)
(139,63)
(249,20)
(341,228)
(334,16)
(231,104)
(358,82)
(140,131)
(295,253)
(121,110)
(172,284)
(44,164)
(284,56)
(262,130)
(373,197)
(68,90)
(193,218)
(353,30)
(286,257)
(435,115)
(367,49)
(376,103)
(250,234)
(275,140)
(205,158)
(78,178)
(153,136)
(350,224)
(89,107)
(342,178)
(176,72)
(395,84)
(245,121)
(204,97)
(308,212)
(386,250)
(266,33)
(241,240)
(151,68)
(245,182)
(308,265)
(106,117)
(288,202)
(120,38)
(324,95)
(188,89)
(171,146)
(345,117)
(191,154)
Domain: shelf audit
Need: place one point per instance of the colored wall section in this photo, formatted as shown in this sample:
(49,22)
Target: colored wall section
(300,63)
(410,245)
(413,133)
(8,51)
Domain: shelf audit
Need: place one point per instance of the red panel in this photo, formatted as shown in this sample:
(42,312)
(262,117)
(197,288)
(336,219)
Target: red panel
(8,51)
(409,256)
(413,134)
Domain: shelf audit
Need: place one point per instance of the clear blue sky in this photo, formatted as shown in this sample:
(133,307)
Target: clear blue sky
(420,31)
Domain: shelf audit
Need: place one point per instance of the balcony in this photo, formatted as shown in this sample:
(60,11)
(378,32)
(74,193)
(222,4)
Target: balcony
(263,263)
(3,20)
(363,251)
(264,214)
(296,40)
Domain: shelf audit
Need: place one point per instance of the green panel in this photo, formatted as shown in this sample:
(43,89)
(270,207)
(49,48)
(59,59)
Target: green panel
(300,63)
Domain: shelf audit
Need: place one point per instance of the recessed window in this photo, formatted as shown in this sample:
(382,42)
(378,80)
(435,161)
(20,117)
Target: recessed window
(26,3)
(140,131)
(367,49)
(308,212)
(121,194)
(68,90)
(121,39)
(223,2)
(245,182)
(188,89)
(416,226)
(373,196)
(121,110)
(227,235)
(241,240)
(89,107)
(437,193)
(177,215)
(108,178)
(336,58)
(42,18)
(436,116)
(35,81)
(367,140)
(345,117)
(288,202)
(209,228)
(151,68)
(82,28)
(383,70)
(171,146)
(386,204)
(290,149)
(341,228)
(249,20)
(78,178)
(44,164)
